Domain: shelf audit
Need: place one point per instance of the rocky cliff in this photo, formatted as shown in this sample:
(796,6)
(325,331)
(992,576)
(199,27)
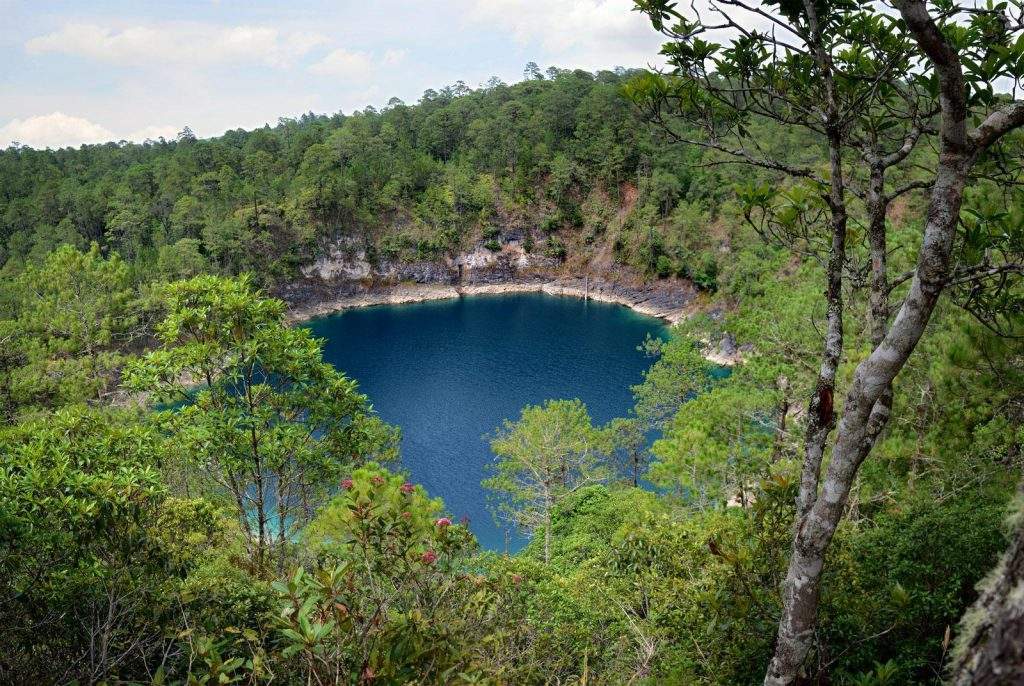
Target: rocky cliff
(345,277)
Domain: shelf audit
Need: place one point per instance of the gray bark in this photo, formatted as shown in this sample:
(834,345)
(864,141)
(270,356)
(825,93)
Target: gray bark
(821,415)
(863,416)
(990,650)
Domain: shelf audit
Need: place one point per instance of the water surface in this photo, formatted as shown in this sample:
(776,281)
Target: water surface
(449,372)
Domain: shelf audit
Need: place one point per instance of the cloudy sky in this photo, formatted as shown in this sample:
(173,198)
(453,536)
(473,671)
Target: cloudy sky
(87,71)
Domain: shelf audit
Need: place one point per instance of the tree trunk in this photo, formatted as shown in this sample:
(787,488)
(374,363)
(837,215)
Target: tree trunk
(862,420)
(547,538)
(820,410)
(548,506)
(821,416)
(877,209)
(863,416)
(782,383)
(990,649)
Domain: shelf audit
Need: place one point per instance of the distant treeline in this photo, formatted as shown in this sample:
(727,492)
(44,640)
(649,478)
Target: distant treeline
(564,157)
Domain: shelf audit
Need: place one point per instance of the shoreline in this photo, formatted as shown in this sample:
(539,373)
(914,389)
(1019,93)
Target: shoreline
(661,302)
(412,293)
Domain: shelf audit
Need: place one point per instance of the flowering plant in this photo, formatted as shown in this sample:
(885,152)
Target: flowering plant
(381,602)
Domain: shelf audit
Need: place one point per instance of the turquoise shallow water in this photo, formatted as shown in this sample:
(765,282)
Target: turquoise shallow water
(449,372)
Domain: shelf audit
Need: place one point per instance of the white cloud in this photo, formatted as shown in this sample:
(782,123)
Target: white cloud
(59,130)
(591,34)
(177,43)
(344,64)
(53,130)
(393,57)
(355,65)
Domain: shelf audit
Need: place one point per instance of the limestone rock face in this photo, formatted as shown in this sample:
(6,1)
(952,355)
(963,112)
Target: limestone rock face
(419,272)
(342,262)
(346,278)
(347,261)
(727,346)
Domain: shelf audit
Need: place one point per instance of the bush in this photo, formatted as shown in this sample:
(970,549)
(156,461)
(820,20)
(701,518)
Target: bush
(92,551)
(555,249)
(664,267)
(705,276)
(388,597)
(908,578)
(383,533)
(551,223)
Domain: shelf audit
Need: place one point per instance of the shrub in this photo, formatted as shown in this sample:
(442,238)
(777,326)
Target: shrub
(555,249)
(388,597)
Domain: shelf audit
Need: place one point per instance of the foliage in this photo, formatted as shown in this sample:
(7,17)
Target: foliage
(264,418)
(717,446)
(552,451)
(390,598)
(678,375)
(93,551)
(915,571)
(73,317)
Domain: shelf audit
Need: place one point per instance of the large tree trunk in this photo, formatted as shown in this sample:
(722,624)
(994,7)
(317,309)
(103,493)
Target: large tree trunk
(863,416)
(990,650)
(820,414)
(878,209)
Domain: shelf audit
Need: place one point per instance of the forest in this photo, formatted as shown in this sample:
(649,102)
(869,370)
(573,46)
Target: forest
(190,494)
(554,153)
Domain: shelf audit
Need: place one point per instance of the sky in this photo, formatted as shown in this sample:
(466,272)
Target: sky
(94,71)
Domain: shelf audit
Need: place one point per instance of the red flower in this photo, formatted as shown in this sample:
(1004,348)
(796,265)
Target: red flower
(443,522)
(429,557)
(377,480)
(407,488)
(347,484)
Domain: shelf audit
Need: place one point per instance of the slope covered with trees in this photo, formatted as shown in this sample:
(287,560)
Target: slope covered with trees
(188,494)
(550,156)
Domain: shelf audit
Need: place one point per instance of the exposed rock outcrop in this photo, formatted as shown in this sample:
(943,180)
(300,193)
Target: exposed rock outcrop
(344,278)
(316,297)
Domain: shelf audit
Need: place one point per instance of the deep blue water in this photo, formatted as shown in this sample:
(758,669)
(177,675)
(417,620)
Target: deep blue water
(449,372)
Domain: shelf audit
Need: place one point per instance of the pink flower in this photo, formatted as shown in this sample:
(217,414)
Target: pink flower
(377,480)
(443,522)
(517,579)
(407,515)
(407,488)
(347,484)
(429,557)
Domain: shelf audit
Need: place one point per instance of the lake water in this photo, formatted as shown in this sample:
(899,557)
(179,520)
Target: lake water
(448,372)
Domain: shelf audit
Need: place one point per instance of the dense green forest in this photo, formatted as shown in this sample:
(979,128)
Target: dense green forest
(552,154)
(190,494)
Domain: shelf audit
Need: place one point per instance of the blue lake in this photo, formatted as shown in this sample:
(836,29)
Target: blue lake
(449,372)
